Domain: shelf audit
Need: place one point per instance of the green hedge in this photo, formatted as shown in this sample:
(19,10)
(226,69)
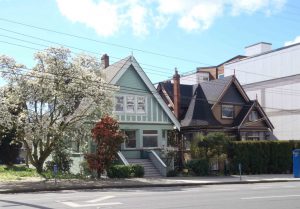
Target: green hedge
(199,167)
(262,157)
(123,171)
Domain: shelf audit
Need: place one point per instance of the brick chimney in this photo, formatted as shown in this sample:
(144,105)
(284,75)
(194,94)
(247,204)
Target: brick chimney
(105,60)
(176,91)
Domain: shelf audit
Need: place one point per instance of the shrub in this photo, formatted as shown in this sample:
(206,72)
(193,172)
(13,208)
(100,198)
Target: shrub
(137,170)
(119,171)
(199,167)
(261,157)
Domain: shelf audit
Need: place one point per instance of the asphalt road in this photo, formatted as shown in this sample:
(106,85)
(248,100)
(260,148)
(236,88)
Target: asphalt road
(237,196)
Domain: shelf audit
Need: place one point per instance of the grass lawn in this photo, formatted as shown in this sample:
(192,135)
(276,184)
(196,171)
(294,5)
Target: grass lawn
(10,173)
(21,172)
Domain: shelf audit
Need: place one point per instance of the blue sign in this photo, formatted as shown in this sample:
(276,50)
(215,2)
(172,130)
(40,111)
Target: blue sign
(55,169)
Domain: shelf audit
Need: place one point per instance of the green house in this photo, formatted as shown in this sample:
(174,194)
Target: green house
(140,110)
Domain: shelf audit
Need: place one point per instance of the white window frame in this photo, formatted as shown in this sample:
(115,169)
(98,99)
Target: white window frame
(135,104)
(150,135)
(253,116)
(227,105)
(115,103)
(145,104)
(253,136)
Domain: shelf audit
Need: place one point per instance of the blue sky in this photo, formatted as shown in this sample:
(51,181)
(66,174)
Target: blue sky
(161,34)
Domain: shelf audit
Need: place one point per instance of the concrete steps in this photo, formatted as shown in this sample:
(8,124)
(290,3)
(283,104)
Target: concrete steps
(149,168)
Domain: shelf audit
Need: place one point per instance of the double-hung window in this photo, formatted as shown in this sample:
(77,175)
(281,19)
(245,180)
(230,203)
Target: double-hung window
(130,104)
(119,103)
(130,141)
(150,138)
(141,104)
(227,111)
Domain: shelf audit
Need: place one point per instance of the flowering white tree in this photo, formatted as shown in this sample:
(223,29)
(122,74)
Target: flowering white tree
(60,95)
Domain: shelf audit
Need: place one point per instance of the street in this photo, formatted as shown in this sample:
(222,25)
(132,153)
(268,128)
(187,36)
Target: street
(241,196)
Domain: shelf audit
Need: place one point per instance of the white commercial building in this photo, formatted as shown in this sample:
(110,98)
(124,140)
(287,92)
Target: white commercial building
(273,77)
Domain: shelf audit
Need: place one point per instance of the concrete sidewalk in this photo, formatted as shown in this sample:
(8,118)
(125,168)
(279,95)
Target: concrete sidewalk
(35,185)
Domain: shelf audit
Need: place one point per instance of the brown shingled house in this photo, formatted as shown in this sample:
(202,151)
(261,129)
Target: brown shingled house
(216,106)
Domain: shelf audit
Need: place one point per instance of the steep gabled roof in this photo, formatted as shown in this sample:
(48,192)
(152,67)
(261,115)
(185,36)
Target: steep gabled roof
(213,89)
(217,89)
(244,113)
(186,94)
(115,71)
(112,70)
(199,112)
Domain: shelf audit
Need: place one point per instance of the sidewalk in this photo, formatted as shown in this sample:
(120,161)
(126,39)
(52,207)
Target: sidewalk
(36,185)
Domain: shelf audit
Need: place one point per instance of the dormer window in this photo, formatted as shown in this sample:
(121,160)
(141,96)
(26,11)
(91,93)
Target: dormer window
(253,116)
(227,111)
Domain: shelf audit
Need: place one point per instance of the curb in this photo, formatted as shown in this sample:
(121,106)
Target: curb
(59,188)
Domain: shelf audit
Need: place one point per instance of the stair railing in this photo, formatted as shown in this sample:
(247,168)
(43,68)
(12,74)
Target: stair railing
(158,163)
(122,158)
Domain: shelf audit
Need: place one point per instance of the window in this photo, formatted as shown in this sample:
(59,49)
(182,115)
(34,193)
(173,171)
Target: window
(141,104)
(119,103)
(253,116)
(254,136)
(130,104)
(130,141)
(227,111)
(150,138)
(221,76)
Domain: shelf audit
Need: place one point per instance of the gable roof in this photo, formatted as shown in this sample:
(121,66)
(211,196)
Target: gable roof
(115,71)
(223,85)
(199,111)
(112,70)
(186,94)
(213,89)
(244,113)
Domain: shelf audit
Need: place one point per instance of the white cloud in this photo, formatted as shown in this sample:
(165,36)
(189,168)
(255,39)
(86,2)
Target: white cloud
(103,17)
(138,15)
(107,17)
(251,6)
(295,41)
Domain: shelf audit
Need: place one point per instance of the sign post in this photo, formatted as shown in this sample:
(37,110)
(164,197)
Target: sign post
(240,171)
(55,169)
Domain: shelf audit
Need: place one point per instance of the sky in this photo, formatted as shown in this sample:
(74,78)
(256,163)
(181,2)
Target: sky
(160,34)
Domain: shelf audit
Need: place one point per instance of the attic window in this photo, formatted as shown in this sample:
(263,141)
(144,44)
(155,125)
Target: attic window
(141,104)
(227,111)
(130,104)
(253,116)
(119,103)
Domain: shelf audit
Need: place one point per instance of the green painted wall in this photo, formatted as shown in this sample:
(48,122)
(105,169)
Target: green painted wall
(154,117)
(131,84)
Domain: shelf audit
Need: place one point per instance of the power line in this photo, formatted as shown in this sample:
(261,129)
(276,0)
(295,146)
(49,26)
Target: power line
(30,42)
(72,47)
(102,42)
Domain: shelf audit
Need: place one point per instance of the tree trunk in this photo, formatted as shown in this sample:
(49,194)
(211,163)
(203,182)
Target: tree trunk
(39,167)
